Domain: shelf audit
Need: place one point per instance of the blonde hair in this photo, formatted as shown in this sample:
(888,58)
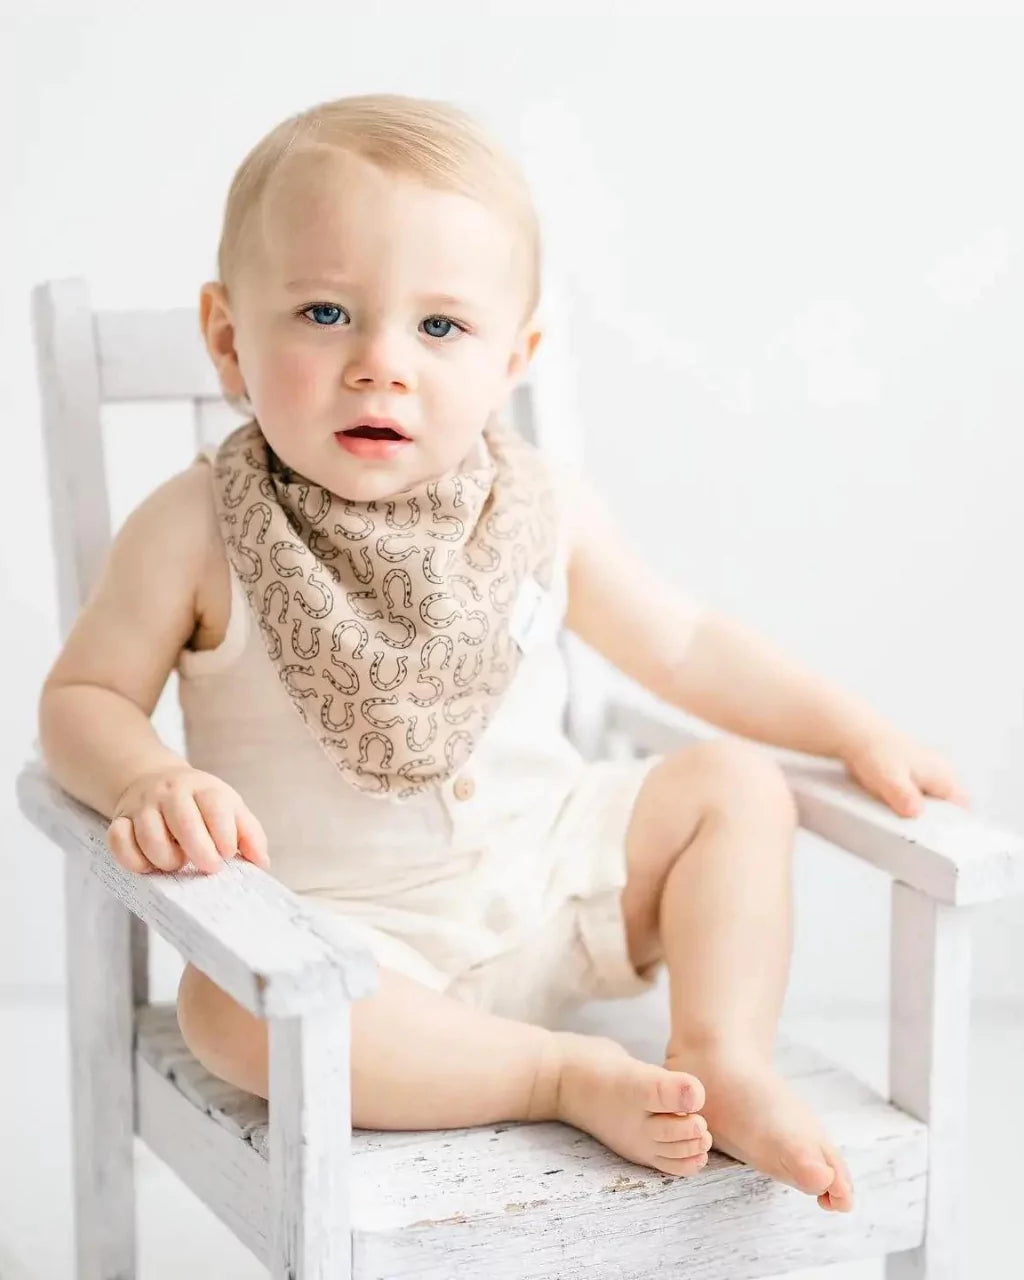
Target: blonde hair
(435,142)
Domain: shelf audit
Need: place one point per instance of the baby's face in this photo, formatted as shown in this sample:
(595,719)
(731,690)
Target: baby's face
(369,295)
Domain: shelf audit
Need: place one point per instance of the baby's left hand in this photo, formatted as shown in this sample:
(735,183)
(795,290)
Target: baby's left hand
(899,772)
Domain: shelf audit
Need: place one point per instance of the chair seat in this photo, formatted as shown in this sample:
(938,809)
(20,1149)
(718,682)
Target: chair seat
(545,1200)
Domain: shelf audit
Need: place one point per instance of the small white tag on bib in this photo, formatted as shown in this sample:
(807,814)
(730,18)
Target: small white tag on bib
(528,621)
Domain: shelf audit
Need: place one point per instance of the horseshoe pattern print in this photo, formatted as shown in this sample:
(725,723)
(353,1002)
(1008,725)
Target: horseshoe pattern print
(389,621)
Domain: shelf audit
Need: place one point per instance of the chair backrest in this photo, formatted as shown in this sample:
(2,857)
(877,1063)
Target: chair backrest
(91,358)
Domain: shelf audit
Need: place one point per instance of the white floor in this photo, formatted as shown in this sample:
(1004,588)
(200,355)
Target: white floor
(178,1237)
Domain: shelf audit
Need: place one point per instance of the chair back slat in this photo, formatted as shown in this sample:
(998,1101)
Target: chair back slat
(69,386)
(153,355)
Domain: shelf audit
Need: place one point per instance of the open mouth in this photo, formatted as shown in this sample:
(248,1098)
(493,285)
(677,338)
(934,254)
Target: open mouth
(377,443)
(373,433)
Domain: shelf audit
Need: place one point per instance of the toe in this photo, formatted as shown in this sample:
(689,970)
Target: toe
(675,1091)
(839,1196)
(834,1202)
(671,1127)
(808,1170)
(680,1168)
(683,1150)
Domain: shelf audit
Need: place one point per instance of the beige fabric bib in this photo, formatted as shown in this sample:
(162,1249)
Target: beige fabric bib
(392,623)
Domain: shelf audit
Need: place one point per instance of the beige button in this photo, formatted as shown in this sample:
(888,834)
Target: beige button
(499,916)
(463,788)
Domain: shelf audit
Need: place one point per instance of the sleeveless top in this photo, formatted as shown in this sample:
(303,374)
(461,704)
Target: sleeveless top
(394,623)
(427,853)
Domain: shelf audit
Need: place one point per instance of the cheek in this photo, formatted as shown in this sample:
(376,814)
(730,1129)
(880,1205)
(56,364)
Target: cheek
(479,382)
(287,373)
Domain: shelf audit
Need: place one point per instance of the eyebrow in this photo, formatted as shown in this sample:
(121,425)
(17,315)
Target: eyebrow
(444,299)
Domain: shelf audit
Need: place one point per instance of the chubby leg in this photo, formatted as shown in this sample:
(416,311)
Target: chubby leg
(708,890)
(422,1060)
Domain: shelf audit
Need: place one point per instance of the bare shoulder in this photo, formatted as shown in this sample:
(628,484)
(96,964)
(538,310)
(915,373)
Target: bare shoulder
(168,539)
(181,507)
(156,593)
(183,516)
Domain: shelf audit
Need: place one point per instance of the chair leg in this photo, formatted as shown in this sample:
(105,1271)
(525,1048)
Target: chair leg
(310,1145)
(100,1026)
(928,1060)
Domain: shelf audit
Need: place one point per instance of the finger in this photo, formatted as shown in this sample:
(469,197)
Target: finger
(938,780)
(899,790)
(186,825)
(218,813)
(155,840)
(125,848)
(252,840)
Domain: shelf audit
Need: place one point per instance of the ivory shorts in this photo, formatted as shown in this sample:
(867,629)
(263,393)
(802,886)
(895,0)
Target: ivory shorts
(550,937)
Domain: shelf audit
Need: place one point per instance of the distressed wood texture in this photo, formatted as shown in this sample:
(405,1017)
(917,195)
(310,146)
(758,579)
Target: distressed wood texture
(526,1201)
(508,1202)
(107,950)
(928,1069)
(100,1018)
(947,853)
(310,1146)
(255,938)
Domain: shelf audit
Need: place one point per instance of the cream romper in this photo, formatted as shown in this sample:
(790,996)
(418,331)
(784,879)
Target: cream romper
(502,888)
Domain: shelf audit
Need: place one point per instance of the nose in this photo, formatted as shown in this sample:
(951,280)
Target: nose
(378,356)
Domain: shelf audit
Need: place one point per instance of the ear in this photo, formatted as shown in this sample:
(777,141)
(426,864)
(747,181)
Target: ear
(522,353)
(218,330)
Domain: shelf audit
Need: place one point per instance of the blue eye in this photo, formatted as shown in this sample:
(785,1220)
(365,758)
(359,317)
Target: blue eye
(325,315)
(442,320)
(321,307)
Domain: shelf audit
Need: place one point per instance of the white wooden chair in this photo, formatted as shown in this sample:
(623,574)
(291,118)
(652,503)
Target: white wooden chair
(313,1199)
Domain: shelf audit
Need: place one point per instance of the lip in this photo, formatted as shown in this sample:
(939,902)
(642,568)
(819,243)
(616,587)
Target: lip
(380,423)
(364,447)
(373,450)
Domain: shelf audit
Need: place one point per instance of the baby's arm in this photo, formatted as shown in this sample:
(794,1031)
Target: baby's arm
(94,726)
(715,668)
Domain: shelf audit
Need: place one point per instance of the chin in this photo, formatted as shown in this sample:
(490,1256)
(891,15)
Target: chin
(368,486)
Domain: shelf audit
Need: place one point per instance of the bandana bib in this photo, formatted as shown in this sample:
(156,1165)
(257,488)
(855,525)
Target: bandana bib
(394,625)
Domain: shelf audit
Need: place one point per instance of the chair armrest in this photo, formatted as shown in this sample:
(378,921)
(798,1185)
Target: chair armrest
(248,932)
(947,853)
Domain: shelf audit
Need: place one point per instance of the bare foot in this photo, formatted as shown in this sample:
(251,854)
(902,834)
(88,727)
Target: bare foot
(756,1117)
(639,1110)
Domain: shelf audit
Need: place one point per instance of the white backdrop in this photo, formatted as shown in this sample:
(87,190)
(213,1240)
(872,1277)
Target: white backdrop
(792,249)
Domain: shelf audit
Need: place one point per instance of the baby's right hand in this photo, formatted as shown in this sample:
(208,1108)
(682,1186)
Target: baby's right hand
(177,815)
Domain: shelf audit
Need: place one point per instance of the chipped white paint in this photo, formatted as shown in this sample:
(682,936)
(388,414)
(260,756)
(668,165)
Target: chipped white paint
(509,1202)
(928,1061)
(106,951)
(523,1201)
(310,1145)
(215,1163)
(948,853)
(100,1018)
(255,938)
